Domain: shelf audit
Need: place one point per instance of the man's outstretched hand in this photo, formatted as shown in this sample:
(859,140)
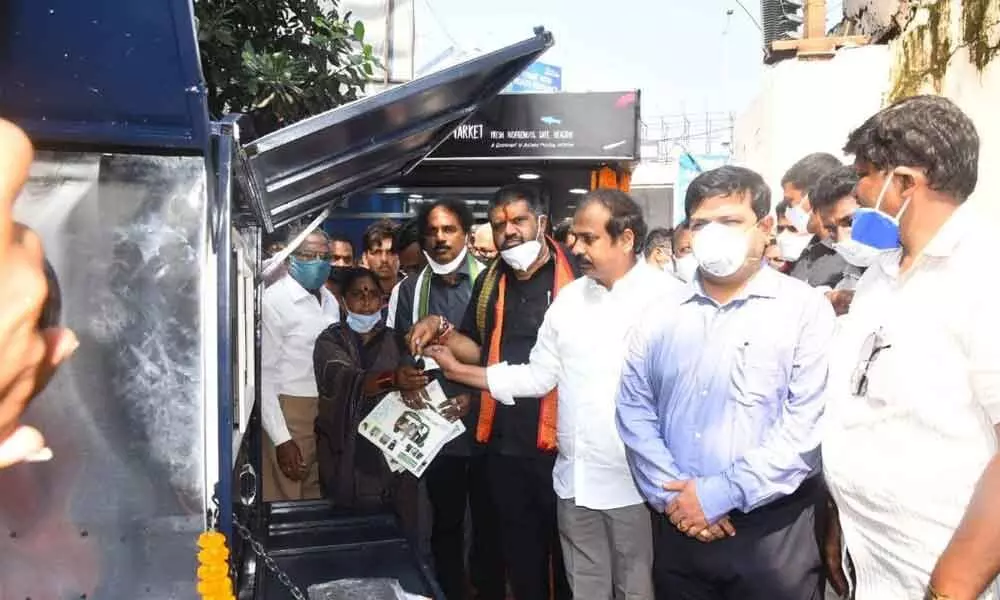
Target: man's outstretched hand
(28,356)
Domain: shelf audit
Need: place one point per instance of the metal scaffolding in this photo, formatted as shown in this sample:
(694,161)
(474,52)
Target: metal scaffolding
(671,135)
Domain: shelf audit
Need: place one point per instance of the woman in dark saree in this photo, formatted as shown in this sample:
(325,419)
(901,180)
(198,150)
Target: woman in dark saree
(354,362)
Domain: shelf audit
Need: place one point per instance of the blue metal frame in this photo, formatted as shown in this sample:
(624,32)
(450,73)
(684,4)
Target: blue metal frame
(104,74)
(225,141)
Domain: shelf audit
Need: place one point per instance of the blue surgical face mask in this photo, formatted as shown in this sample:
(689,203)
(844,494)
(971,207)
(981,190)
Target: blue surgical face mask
(877,229)
(311,274)
(363,323)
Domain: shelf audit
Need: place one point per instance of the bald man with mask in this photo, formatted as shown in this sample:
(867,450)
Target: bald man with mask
(481,243)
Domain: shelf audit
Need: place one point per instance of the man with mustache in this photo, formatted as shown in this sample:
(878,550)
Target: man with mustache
(501,325)
(603,523)
(341,262)
(341,251)
(456,479)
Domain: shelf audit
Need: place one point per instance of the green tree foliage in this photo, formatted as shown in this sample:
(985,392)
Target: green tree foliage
(281,60)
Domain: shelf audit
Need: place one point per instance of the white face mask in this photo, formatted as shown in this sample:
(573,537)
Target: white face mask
(449,268)
(686,267)
(856,253)
(791,245)
(668,267)
(522,256)
(363,323)
(798,217)
(721,250)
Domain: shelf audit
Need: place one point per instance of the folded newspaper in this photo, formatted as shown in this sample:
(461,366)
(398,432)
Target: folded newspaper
(410,438)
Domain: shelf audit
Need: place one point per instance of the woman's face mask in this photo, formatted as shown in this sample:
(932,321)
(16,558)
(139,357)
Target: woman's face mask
(361,323)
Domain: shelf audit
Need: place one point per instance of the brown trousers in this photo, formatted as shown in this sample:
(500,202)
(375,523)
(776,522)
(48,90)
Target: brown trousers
(300,416)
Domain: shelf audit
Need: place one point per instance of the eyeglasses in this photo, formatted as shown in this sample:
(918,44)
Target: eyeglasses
(874,344)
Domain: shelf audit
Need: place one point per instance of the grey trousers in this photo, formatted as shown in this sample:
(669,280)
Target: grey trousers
(608,553)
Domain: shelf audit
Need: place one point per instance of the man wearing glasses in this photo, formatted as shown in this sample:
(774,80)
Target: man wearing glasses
(294,311)
(910,451)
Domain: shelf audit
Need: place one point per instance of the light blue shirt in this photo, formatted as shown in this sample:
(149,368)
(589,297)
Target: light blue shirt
(730,396)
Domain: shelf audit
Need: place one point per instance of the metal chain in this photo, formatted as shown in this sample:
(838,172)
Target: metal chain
(272,566)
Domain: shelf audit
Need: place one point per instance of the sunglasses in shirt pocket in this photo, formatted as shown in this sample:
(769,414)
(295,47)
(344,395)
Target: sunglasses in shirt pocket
(758,377)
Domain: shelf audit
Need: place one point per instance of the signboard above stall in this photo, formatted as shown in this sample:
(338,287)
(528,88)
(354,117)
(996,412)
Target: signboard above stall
(595,126)
(538,77)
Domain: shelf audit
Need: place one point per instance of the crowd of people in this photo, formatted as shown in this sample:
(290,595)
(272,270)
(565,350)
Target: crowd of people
(758,403)
(762,402)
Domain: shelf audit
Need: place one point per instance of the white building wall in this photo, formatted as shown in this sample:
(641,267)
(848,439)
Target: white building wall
(809,106)
(978,94)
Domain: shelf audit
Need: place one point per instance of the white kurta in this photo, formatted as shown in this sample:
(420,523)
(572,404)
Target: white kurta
(903,457)
(291,320)
(580,349)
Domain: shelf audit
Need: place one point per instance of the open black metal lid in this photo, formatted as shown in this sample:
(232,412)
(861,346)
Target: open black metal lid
(301,169)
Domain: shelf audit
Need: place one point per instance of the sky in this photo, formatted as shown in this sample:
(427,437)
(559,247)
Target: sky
(685,55)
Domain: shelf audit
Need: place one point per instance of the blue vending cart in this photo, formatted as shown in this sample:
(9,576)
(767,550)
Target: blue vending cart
(152,216)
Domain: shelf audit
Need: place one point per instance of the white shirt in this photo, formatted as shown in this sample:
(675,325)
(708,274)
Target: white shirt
(291,320)
(390,318)
(271,276)
(902,460)
(580,348)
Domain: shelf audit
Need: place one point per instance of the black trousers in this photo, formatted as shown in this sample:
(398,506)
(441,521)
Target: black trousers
(773,556)
(455,484)
(529,535)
